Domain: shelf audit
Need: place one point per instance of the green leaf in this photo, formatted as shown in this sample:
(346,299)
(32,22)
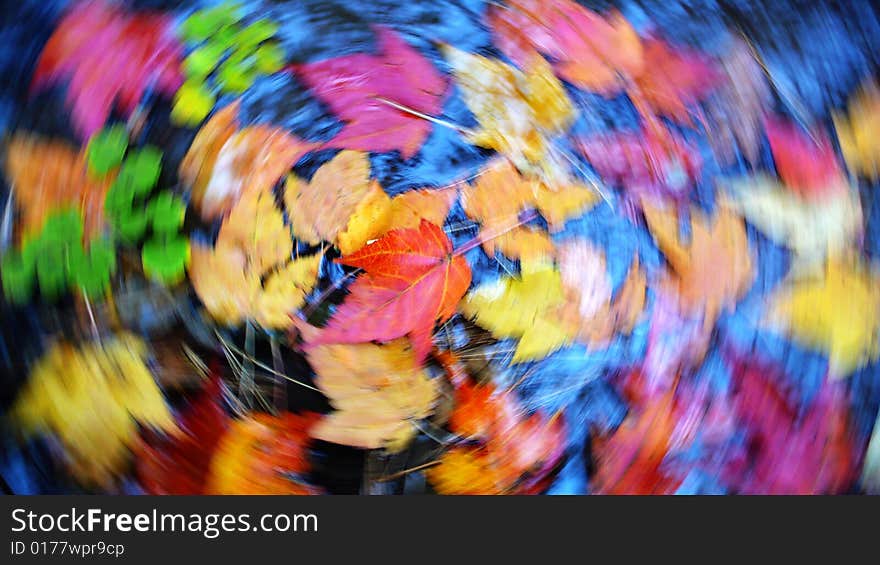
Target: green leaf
(203,23)
(192,104)
(51,269)
(90,271)
(237,74)
(167,212)
(120,199)
(201,62)
(225,38)
(18,276)
(141,169)
(166,259)
(270,58)
(132,226)
(65,226)
(254,34)
(106,149)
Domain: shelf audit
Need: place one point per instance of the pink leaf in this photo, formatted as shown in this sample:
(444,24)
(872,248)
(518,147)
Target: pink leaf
(652,162)
(351,84)
(790,452)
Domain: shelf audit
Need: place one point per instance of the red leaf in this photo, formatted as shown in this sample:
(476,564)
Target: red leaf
(412,282)
(652,162)
(673,78)
(629,460)
(791,453)
(109,56)
(179,464)
(520,450)
(807,167)
(350,85)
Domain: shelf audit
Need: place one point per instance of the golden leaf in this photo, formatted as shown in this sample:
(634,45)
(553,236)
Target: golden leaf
(518,112)
(859,132)
(248,274)
(93,398)
(835,311)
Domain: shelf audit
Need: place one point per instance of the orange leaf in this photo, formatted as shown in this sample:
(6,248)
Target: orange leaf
(514,453)
(262,454)
(48,175)
(673,78)
(222,163)
(711,271)
(500,195)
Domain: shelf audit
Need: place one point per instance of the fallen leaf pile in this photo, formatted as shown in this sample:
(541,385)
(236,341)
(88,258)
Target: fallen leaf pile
(457,247)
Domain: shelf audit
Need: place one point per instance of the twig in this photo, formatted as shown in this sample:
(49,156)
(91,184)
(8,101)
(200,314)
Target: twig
(440,122)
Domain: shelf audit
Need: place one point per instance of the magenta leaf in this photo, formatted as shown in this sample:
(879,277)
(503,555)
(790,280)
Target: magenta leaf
(352,84)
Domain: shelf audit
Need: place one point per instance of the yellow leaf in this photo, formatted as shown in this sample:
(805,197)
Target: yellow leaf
(518,112)
(284,292)
(248,274)
(256,227)
(526,243)
(464,471)
(377,391)
(859,132)
(93,398)
(563,202)
(321,208)
(369,220)
(525,309)
(812,229)
(377,214)
(836,312)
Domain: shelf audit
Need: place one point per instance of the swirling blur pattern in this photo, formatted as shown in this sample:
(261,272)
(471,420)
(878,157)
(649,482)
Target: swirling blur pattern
(440,246)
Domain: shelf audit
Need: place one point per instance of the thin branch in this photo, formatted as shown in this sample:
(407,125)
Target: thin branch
(440,122)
